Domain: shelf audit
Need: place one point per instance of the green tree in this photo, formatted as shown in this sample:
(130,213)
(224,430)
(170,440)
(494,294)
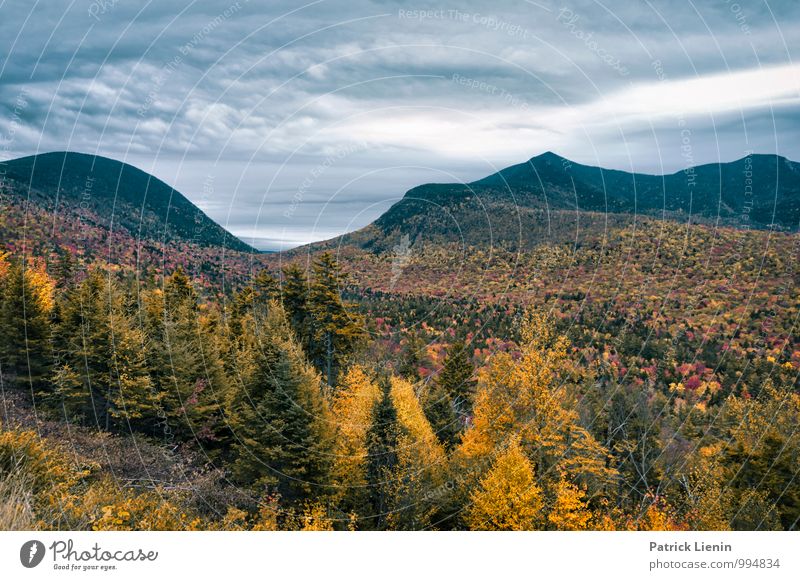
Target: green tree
(294,296)
(337,328)
(25,307)
(279,417)
(102,374)
(382,439)
(457,377)
(185,361)
(441,414)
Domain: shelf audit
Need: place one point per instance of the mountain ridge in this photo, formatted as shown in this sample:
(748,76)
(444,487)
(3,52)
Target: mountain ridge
(121,193)
(519,203)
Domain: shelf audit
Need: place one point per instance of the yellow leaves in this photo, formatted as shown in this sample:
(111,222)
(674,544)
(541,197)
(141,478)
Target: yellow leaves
(657,519)
(417,431)
(421,457)
(352,410)
(508,497)
(315,519)
(106,506)
(42,285)
(528,398)
(570,511)
(267,516)
(4,264)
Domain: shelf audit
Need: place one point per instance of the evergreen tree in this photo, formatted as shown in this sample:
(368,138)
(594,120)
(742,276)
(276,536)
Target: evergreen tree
(337,328)
(441,414)
(185,362)
(26,302)
(295,299)
(265,287)
(382,440)
(279,418)
(102,374)
(456,377)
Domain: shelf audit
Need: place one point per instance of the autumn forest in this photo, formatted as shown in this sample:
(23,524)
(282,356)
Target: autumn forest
(600,371)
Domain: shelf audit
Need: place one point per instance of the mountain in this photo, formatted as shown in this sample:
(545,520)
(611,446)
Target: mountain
(550,198)
(116,196)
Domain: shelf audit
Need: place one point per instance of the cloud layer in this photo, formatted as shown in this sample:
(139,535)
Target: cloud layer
(312,119)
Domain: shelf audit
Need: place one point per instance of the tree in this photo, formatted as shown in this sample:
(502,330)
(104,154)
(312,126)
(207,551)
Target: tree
(353,405)
(337,329)
(441,415)
(102,373)
(508,497)
(295,299)
(421,461)
(382,462)
(759,451)
(456,377)
(26,301)
(570,510)
(279,418)
(185,361)
(529,398)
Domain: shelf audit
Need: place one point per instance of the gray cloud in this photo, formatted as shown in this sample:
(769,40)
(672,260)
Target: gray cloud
(313,118)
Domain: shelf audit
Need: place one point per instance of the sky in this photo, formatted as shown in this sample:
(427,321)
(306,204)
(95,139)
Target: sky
(291,122)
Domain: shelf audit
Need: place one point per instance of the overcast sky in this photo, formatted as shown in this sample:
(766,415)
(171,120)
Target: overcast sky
(290,122)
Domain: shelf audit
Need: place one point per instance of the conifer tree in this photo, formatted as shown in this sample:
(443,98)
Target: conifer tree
(102,373)
(456,377)
(382,463)
(295,299)
(26,301)
(441,414)
(185,361)
(279,418)
(337,329)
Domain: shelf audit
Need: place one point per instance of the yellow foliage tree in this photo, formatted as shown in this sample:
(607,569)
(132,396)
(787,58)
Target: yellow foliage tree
(352,406)
(421,460)
(529,398)
(508,497)
(570,510)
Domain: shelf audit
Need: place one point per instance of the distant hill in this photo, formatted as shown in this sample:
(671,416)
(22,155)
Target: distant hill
(550,198)
(117,195)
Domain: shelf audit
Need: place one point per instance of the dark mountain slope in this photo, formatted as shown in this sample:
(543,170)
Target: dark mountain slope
(550,198)
(120,194)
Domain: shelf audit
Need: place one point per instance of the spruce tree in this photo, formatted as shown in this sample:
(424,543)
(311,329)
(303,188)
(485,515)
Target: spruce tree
(382,459)
(294,296)
(456,377)
(337,329)
(185,362)
(279,418)
(25,306)
(441,413)
(102,374)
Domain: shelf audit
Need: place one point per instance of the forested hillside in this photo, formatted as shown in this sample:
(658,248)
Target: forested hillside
(642,376)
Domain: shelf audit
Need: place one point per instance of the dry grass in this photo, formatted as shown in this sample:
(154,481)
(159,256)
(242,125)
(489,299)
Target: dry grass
(16,506)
